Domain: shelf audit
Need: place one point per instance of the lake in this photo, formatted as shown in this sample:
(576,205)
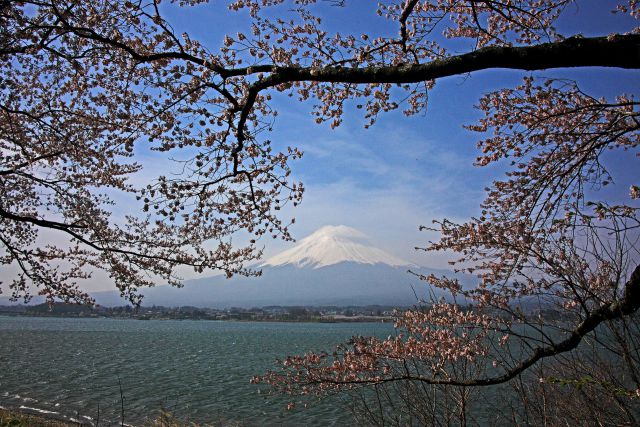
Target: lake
(198,370)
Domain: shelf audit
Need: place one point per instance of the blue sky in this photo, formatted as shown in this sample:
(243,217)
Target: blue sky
(403,172)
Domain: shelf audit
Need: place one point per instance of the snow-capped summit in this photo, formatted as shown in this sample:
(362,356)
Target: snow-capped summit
(353,273)
(332,245)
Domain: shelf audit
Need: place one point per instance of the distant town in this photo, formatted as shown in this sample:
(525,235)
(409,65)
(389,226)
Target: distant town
(273,313)
(372,313)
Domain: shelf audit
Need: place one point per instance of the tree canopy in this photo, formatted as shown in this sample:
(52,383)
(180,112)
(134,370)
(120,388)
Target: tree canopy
(83,84)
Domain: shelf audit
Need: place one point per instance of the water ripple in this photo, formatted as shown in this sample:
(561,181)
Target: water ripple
(199,370)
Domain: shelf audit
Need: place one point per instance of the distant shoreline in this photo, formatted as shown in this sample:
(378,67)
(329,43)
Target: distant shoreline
(295,314)
(342,319)
(272,313)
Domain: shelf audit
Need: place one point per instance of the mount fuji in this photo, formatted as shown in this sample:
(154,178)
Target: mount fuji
(336,265)
(332,245)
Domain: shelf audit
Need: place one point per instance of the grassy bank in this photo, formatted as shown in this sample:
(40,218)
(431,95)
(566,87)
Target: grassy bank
(12,418)
(19,419)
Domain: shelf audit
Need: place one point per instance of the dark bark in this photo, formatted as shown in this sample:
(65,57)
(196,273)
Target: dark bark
(619,51)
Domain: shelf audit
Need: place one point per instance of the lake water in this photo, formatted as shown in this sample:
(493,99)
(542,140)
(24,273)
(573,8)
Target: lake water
(198,370)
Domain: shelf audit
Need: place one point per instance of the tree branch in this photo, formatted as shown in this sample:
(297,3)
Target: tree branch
(408,8)
(620,51)
(628,304)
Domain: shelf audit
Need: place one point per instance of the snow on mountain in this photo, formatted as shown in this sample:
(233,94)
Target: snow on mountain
(332,245)
(333,266)
(336,265)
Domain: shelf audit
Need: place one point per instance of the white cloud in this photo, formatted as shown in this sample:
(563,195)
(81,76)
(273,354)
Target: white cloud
(386,182)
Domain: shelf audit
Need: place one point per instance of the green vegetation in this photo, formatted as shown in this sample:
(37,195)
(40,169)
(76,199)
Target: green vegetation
(18,419)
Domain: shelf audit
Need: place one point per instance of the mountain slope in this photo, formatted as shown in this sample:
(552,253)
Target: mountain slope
(332,245)
(333,266)
(344,283)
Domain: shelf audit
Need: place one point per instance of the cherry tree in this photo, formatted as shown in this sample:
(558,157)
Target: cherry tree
(86,86)
(83,83)
(545,239)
